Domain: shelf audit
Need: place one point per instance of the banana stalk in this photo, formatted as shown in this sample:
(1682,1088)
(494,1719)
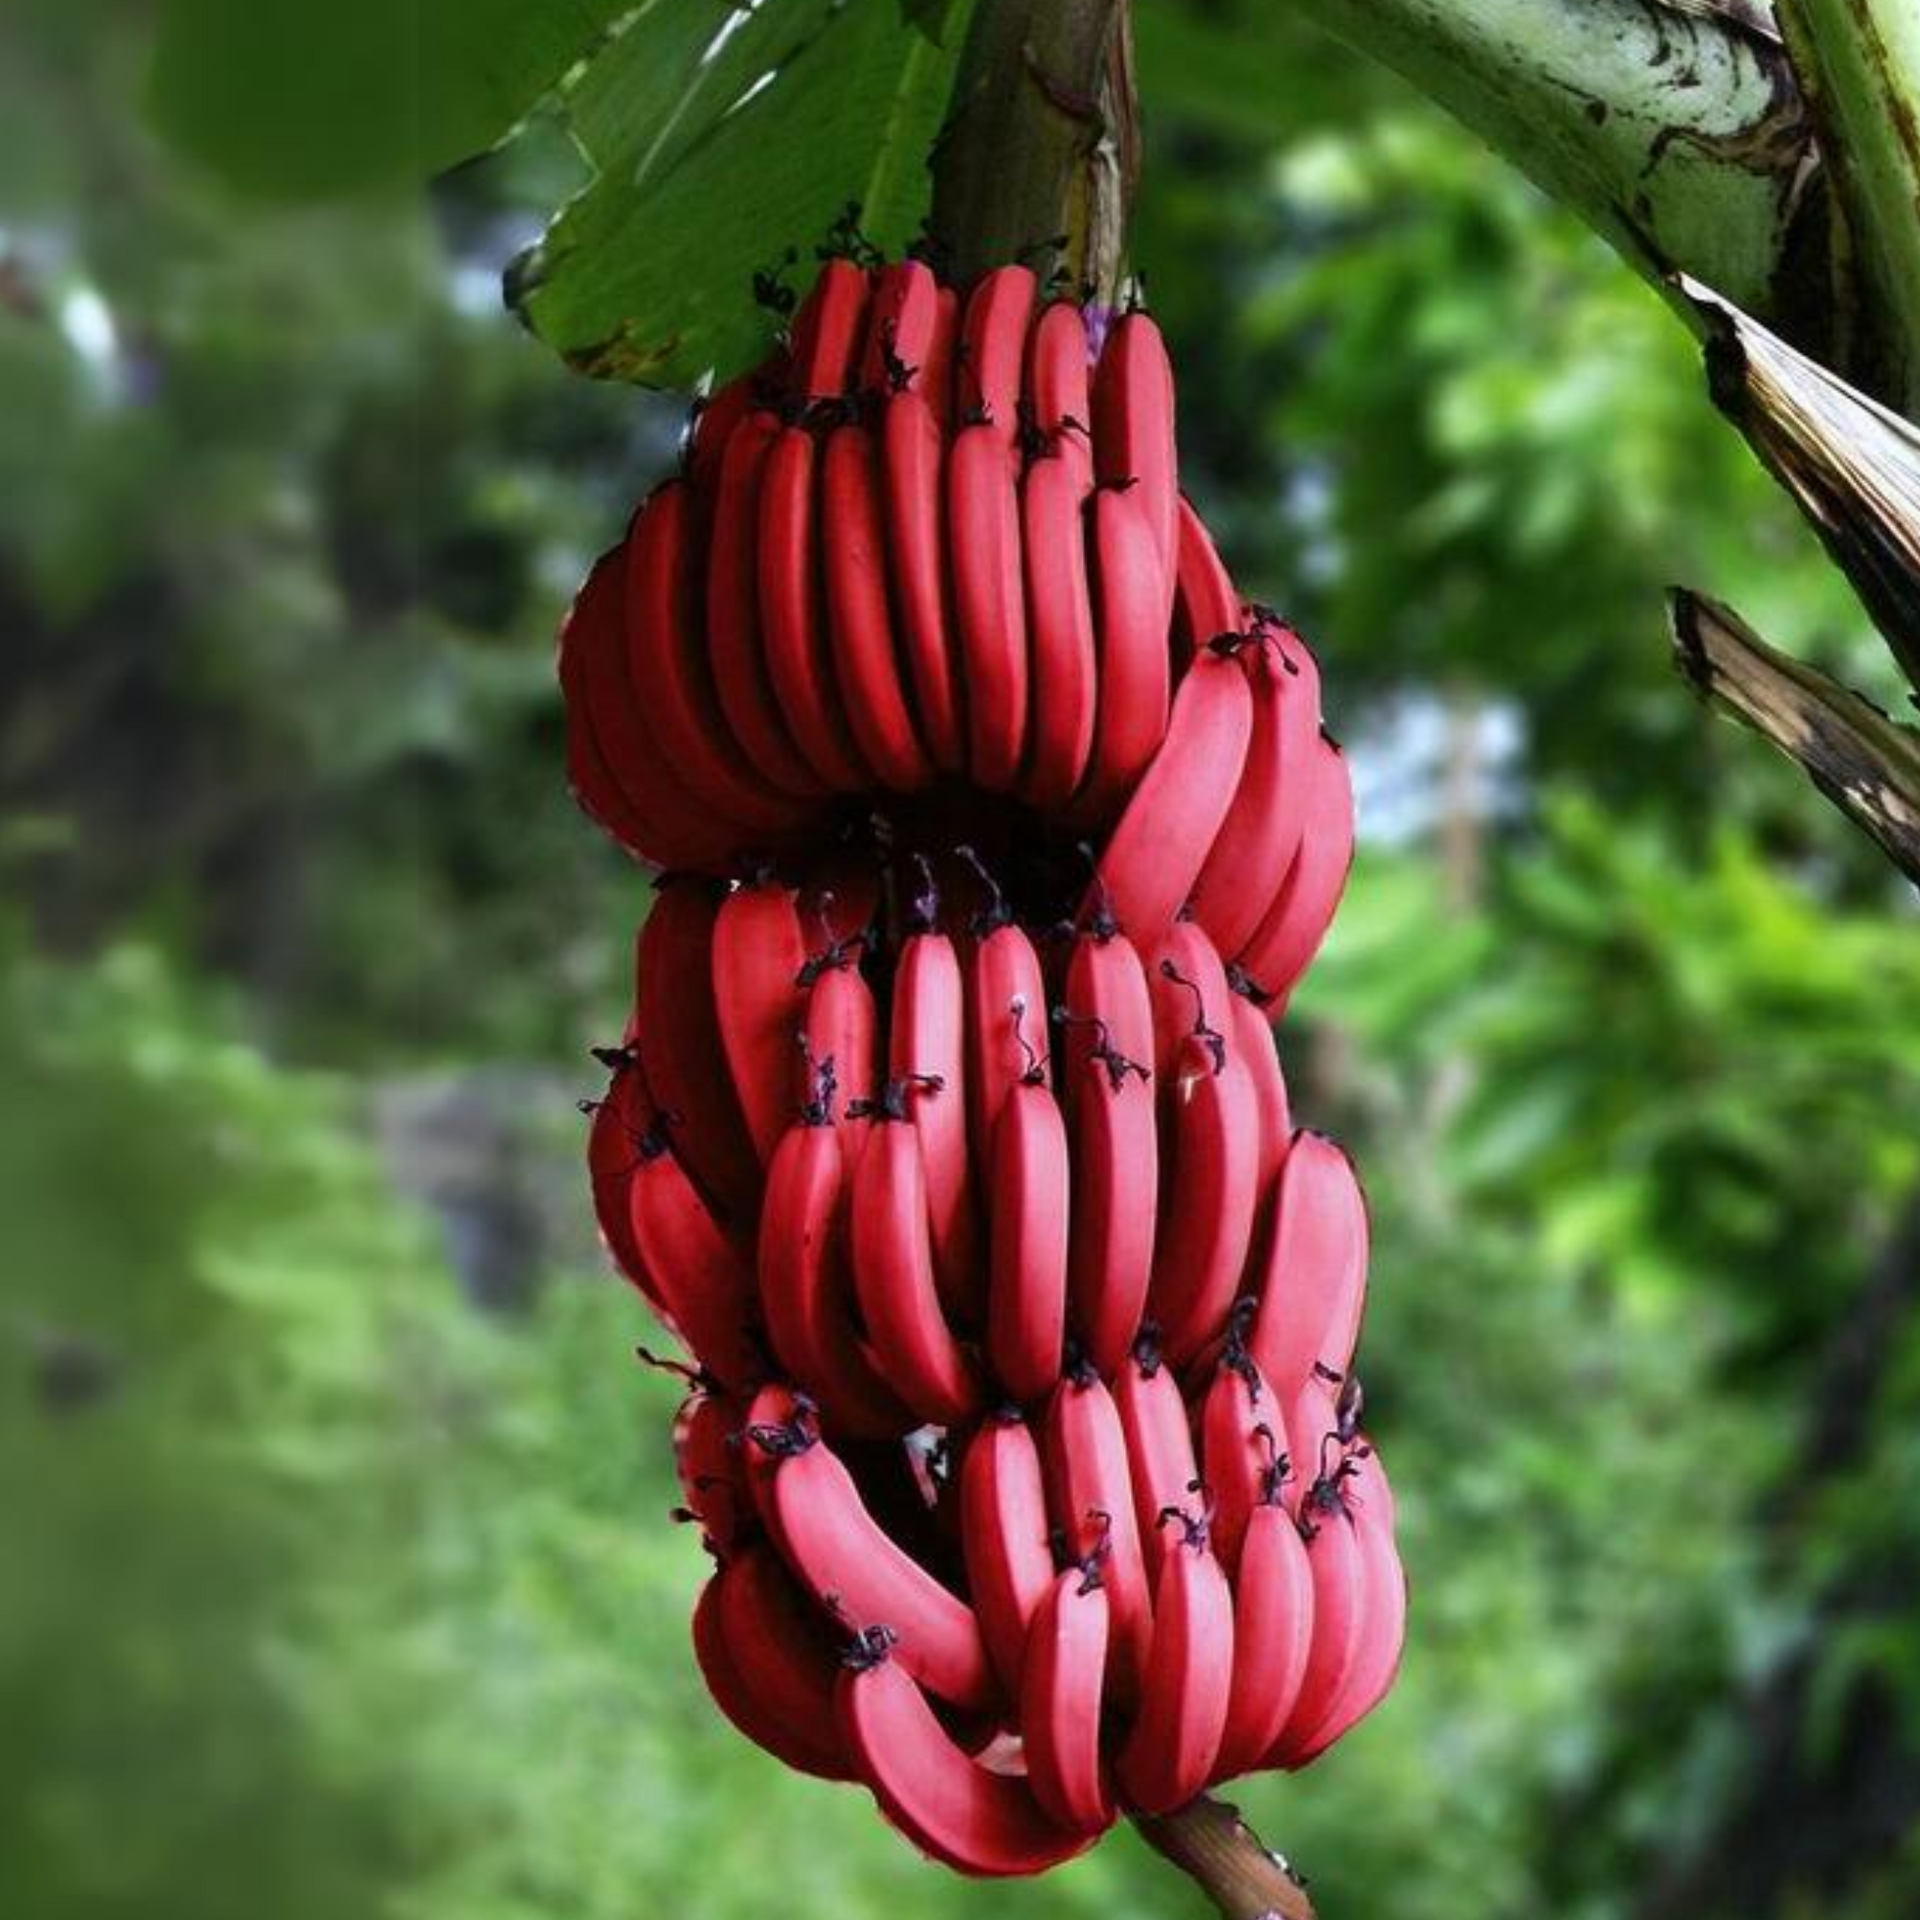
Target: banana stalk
(1859,67)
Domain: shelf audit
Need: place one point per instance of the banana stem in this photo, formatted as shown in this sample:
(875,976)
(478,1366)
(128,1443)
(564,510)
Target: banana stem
(1858,63)
(1038,159)
(1242,1877)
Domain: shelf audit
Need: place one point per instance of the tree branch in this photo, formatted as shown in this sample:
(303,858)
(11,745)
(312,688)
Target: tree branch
(1208,1839)
(1041,150)
(1674,127)
(1865,763)
(1859,67)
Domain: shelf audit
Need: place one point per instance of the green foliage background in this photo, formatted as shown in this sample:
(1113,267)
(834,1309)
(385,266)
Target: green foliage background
(337,1579)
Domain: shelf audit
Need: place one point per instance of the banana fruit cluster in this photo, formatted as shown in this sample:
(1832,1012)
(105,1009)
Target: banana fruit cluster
(948,1130)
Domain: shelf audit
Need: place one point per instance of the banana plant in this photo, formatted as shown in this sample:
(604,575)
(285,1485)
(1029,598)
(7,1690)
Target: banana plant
(1759,165)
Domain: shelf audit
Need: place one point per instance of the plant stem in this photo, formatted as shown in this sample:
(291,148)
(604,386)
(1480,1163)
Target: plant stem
(1859,66)
(1039,155)
(1208,1839)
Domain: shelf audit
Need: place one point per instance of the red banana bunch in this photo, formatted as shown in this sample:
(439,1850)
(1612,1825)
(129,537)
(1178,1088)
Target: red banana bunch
(948,1132)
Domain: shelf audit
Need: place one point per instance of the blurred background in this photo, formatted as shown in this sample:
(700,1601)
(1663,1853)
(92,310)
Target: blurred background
(337,1577)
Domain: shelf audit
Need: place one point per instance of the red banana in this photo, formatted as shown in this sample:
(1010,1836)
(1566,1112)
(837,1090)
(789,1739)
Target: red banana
(662,821)
(942,547)
(1003,1529)
(852,1565)
(993,350)
(1131,595)
(595,790)
(1060,1699)
(841,1026)
(944,1800)
(1210,1163)
(775,1410)
(1336,1561)
(1059,367)
(734,642)
(903,322)
(784,1654)
(893,1273)
(1313,1281)
(1090,1496)
(591,783)
(1383,1621)
(805,1750)
(827,332)
(1157,849)
(1115,1203)
(1169,1751)
(618,1121)
(1006,1022)
(1206,607)
(860,618)
(1243,1445)
(1283,945)
(1153,1416)
(715,420)
(913,454)
(759,953)
(673,676)
(983,541)
(1065,664)
(909,358)
(1175,814)
(1251,1037)
(1109,1011)
(1027,1266)
(937,377)
(705,1282)
(793,616)
(1133,428)
(1106,1087)
(707,1458)
(1315,1444)
(1188,984)
(677,1009)
(1272,1638)
(1257,841)
(927,1044)
(806,1282)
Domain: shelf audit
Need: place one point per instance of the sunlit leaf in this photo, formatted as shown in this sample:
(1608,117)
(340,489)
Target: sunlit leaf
(713,156)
